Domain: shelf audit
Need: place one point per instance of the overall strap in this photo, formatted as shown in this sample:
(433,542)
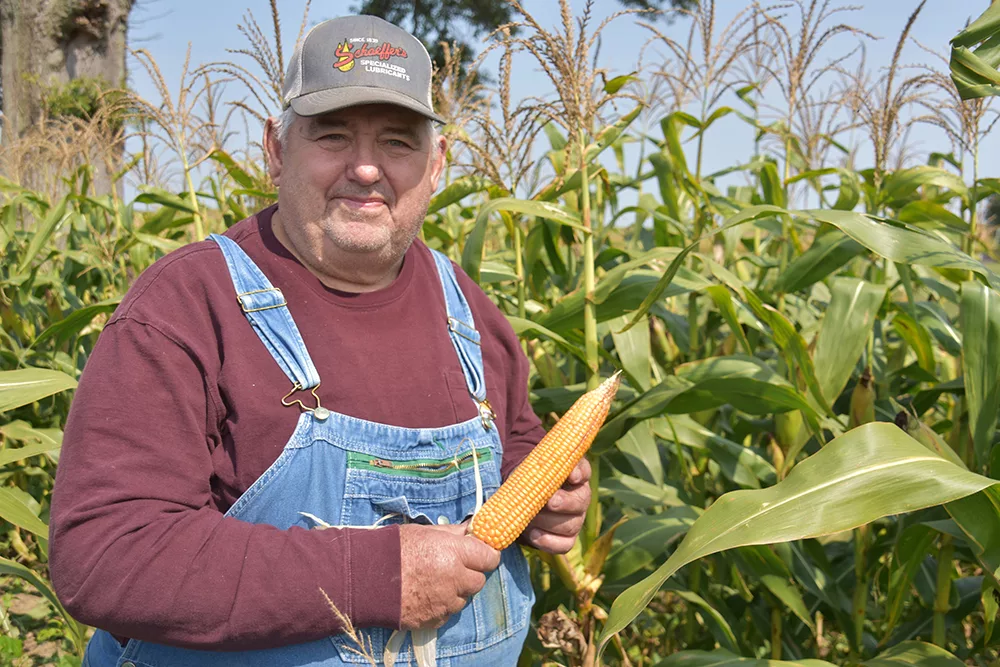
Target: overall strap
(265,306)
(462,330)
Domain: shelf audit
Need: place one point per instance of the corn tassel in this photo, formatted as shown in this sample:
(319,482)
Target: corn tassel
(509,511)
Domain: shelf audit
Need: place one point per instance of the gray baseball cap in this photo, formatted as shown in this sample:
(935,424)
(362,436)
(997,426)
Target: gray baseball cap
(355,60)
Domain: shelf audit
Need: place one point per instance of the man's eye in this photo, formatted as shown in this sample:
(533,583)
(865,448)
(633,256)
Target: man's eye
(397,143)
(333,136)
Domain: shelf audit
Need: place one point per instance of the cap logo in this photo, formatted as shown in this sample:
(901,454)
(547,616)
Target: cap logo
(350,50)
(345,59)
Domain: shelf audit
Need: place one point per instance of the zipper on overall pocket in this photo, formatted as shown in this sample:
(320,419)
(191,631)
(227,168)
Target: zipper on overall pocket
(417,467)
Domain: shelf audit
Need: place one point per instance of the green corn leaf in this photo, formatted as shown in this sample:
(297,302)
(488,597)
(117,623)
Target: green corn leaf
(28,385)
(735,366)
(791,343)
(828,253)
(928,214)
(974,71)
(14,510)
(254,192)
(567,313)
(21,431)
(640,494)
(233,168)
(720,112)
(493,271)
(917,654)
(724,302)
(887,238)
(990,607)
(158,242)
(933,318)
(456,191)
(980,321)
(15,569)
(641,540)
(916,336)
(747,394)
(41,441)
(164,198)
(649,404)
(612,86)
(978,516)
(612,132)
(724,658)
(642,453)
(717,623)
(899,243)
(774,574)
(661,286)
(844,331)
(741,465)
(528,329)
(633,351)
(909,653)
(747,385)
(472,254)
(869,472)
(902,184)
(770,183)
(53,220)
(73,323)
(913,545)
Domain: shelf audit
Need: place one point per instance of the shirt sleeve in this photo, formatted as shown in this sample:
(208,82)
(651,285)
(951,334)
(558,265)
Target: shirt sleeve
(137,547)
(526,428)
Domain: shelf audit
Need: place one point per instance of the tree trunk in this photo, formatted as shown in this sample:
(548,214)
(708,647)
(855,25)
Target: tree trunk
(47,43)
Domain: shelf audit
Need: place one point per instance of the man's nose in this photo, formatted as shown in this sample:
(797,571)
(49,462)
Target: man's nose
(363,167)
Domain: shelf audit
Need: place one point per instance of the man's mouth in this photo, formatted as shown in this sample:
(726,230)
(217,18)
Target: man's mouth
(362,203)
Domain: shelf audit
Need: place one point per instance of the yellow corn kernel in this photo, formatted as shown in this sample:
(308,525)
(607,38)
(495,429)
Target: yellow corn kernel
(542,472)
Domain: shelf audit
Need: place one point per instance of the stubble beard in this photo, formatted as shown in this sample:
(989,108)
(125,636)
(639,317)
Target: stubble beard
(367,244)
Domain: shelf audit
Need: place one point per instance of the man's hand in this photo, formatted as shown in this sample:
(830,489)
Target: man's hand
(556,526)
(442,568)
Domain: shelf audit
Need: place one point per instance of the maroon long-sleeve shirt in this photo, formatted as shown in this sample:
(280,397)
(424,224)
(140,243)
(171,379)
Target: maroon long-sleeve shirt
(179,411)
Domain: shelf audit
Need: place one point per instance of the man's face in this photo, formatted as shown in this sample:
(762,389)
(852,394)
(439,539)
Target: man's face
(355,184)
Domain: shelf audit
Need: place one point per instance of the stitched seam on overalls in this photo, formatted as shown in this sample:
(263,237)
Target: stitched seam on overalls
(404,433)
(262,482)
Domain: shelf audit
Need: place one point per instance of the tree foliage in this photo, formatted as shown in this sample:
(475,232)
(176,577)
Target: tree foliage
(461,21)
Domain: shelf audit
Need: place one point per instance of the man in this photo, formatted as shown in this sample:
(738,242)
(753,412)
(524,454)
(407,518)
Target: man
(280,431)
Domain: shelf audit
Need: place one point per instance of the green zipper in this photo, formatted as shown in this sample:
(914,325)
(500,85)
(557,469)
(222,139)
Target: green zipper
(416,467)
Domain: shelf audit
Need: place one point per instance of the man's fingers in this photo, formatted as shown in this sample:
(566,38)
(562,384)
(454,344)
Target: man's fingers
(471,583)
(452,528)
(570,501)
(579,474)
(558,524)
(553,544)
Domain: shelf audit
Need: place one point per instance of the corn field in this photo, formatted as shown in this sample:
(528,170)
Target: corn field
(799,464)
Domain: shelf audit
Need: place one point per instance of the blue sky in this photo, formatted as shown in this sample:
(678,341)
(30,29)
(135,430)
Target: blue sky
(165,27)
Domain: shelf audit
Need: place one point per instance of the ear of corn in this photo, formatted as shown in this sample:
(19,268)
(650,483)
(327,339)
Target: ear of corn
(863,400)
(530,486)
(923,434)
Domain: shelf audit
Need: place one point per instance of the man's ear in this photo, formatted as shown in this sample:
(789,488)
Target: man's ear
(272,147)
(441,153)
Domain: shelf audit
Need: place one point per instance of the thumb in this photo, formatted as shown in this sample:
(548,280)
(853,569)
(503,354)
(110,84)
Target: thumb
(478,555)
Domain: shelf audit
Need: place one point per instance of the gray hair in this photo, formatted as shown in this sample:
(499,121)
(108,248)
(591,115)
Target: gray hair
(283,124)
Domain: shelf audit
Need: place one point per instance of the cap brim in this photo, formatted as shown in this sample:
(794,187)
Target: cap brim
(334,99)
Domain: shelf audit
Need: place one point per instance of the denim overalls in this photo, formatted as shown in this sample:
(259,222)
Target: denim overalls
(343,471)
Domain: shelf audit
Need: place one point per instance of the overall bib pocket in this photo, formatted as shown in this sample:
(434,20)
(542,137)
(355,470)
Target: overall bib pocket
(432,490)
